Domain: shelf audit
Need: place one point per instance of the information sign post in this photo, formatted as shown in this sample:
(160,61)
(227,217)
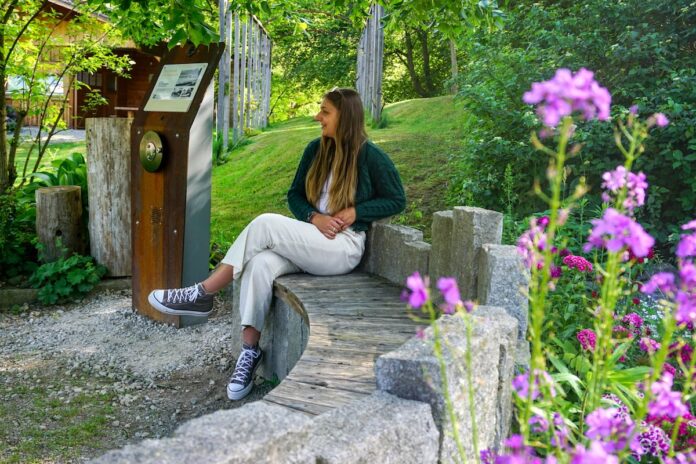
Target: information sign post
(171,164)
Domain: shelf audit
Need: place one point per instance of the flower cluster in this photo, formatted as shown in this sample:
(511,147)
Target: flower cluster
(635,185)
(533,242)
(684,294)
(541,385)
(618,232)
(654,441)
(611,428)
(567,93)
(666,402)
(577,262)
(417,294)
(587,339)
(634,322)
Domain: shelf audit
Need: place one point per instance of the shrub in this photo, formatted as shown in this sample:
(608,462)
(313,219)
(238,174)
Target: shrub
(17,237)
(66,279)
(643,53)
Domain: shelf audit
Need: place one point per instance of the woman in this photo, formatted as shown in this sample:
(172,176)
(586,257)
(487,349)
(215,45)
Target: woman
(343,183)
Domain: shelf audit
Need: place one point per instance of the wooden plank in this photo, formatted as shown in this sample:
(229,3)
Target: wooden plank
(298,405)
(314,394)
(343,382)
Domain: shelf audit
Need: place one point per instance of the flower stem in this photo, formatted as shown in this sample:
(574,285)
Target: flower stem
(437,348)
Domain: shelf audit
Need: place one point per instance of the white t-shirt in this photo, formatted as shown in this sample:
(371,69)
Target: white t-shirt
(323,205)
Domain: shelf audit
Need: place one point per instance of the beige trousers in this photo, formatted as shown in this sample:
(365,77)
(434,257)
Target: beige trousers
(273,245)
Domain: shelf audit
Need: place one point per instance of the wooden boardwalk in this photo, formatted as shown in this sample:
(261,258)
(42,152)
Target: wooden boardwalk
(353,319)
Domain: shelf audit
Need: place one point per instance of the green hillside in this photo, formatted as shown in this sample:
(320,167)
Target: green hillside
(420,137)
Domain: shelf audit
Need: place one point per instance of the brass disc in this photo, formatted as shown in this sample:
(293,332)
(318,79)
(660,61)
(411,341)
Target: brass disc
(151,151)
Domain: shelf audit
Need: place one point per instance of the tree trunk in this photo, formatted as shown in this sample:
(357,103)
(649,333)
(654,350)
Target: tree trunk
(410,65)
(59,221)
(108,175)
(427,72)
(455,67)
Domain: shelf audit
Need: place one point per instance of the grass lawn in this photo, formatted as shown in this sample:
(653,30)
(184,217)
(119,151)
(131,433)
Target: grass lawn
(420,137)
(55,151)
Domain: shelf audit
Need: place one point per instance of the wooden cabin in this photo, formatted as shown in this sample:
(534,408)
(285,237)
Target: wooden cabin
(123,94)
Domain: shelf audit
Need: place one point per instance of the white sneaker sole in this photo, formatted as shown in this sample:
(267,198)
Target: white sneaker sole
(236,395)
(174,312)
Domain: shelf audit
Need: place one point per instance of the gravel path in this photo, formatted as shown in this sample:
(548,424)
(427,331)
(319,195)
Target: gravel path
(137,377)
(106,333)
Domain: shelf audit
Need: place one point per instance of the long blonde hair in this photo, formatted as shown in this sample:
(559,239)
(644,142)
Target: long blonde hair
(339,157)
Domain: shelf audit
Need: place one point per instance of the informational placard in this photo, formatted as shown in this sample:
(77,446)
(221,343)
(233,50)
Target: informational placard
(176,87)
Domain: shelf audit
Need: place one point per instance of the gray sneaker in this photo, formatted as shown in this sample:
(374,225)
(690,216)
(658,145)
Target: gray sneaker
(241,381)
(189,301)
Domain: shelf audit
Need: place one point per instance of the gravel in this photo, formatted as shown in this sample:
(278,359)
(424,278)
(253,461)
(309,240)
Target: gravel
(153,377)
(104,335)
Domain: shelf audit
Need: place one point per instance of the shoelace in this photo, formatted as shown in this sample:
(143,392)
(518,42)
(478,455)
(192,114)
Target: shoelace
(181,295)
(243,369)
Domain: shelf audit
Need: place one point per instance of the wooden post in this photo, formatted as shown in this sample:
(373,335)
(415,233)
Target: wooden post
(108,175)
(59,221)
(235,82)
(223,100)
(250,64)
(242,78)
(370,63)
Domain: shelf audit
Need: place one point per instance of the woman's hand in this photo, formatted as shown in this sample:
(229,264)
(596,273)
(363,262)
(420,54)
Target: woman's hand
(347,217)
(327,225)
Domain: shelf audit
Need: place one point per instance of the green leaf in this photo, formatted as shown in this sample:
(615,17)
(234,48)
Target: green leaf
(178,37)
(76,276)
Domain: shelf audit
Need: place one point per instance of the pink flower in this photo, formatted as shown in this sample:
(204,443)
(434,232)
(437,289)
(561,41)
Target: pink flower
(556,272)
(666,402)
(610,427)
(595,455)
(450,291)
(578,262)
(654,441)
(686,309)
(648,345)
(419,290)
(567,93)
(635,184)
(633,320)
(664,281)
(587,339)
(668,368)
(616,232)
(521,385)
(531,243)
(660,119)
(687,246)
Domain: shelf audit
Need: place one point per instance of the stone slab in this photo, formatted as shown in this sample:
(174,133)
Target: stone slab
(504,281)
(413,372)
(441,252)
(471,229)
(255,433)
(379,429)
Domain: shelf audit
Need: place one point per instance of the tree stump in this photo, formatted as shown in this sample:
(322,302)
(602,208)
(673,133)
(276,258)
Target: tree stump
(108,177)
(59,221)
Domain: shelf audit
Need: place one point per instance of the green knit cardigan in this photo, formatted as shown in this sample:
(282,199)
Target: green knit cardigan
(379,193)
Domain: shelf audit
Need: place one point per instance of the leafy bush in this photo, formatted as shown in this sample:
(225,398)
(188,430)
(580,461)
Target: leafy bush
(643,53)
(68,171)
(17,236)
(66,279)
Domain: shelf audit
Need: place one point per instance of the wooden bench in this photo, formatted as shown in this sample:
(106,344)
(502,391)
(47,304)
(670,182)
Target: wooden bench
(352,320)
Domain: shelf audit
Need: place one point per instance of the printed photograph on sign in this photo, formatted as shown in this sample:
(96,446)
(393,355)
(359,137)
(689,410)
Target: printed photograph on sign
(176,87)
